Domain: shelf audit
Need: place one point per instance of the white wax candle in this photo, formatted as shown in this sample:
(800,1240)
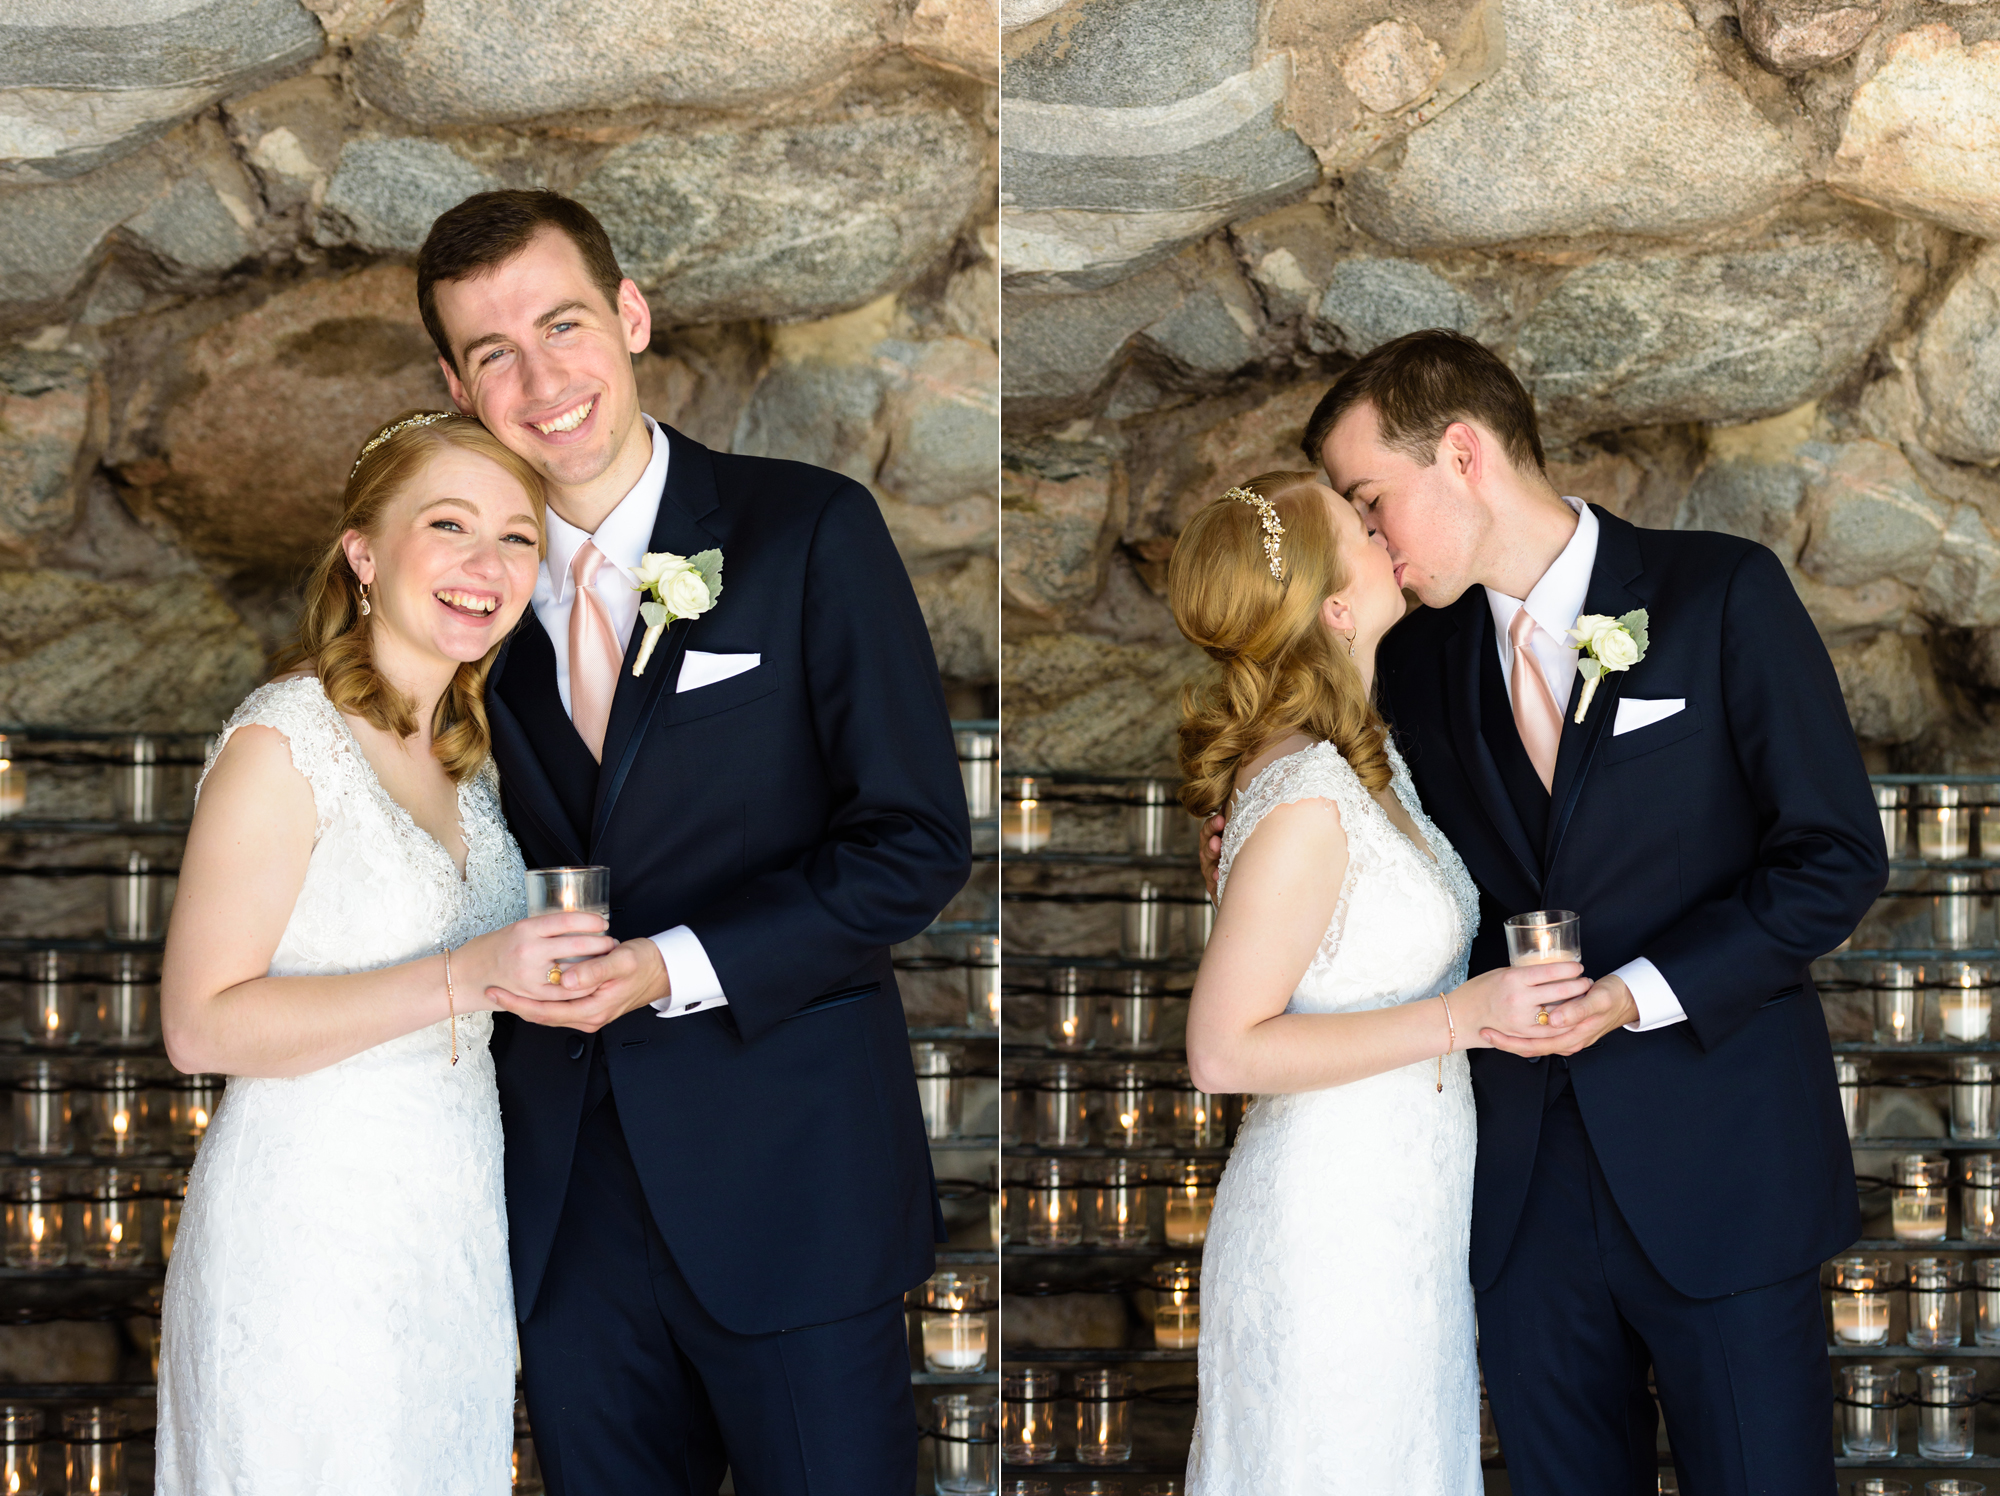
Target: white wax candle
(1918,1215)
(1177,1327)
(1968,1014)
(1861,1318)
(1024,826)
(955,1342)
(1187,1218)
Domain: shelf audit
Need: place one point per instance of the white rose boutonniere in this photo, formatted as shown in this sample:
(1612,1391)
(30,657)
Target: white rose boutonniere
(681,587)
(1607,644)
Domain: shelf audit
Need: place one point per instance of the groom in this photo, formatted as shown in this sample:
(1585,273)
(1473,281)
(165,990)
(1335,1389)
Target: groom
(718,1185)
(1662,1166)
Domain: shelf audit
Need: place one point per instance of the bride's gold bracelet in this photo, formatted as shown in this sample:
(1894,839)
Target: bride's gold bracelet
(1452,1024)
(451,1006)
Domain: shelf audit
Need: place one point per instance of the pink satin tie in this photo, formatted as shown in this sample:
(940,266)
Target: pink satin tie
(1536,716)
(594,654)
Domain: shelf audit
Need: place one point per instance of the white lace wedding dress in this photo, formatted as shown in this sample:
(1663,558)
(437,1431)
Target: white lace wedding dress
(1337,1351)
(338,1317)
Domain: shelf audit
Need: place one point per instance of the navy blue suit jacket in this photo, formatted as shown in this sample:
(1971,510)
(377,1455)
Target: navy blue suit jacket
(1732,843)
(801,818)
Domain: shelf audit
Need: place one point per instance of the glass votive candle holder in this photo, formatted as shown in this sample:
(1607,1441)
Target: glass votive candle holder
(1945,1400)
(1943,817)
(191,1104)
(1070,1010)
(1860,1300)
(1176,1306)
(1899,1003)
(1952,1486)
(954,1321)
(140,782)
(1919,1197)
(1167,1487)
(94,1440)
(937,1089)
(1145,931)
(1880,1485)
(132,901)
(1103,1417)
(113,1219)
(1955,910)
(967,1445)
(1028,1416)
(1093,1488)
(1892,803)
(1194,1117)
(173,1189)
(119,1111)
(1851,1076)
(1062,1118)
(13,782)
(53,1002)
(1190,1200)
(1025,821)
(36,1238)
(20,1449)
(128,1004)
(1868,1400)
(1132,1013)
(42,1111)
(1054,1204)
(982,982)
(1965,1007)
(1979,1197)
(1125,1119)
(1986,1301)
(1022,1485)
(1935,1284)
(1118,1213)
(1974,1113)
(979,770)
(1152,816)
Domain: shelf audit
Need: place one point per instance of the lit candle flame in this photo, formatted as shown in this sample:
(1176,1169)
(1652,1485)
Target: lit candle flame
(117,1232)
(36,1226)
(55,1019)
(120,1122)
(201,1119)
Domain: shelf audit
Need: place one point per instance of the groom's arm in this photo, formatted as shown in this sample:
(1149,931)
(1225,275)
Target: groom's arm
(897,845)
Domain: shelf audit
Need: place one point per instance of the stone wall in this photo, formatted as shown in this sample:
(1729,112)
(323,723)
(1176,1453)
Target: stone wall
(208,214)
(1738,250)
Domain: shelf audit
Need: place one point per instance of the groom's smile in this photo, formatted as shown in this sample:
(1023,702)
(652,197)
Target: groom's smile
(569,420)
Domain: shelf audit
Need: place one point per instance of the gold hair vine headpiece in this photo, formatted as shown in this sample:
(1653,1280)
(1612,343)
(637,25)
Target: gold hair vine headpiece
(1272,529)
(422,418)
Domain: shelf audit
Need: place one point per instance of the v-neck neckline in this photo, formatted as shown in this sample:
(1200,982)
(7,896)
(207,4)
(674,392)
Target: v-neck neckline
(1421,848)
(400,811)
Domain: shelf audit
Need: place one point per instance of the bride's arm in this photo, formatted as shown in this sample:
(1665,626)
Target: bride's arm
(1283,887)
(240,876)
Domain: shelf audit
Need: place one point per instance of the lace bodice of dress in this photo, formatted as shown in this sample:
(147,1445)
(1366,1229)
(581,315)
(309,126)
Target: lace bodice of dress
(1404,921)
(379,889)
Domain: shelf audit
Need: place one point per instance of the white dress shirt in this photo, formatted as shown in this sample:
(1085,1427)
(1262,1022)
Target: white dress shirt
(622,539)
(1555,604)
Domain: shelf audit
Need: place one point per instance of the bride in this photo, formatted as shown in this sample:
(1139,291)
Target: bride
(1337,1348)
(338,1314)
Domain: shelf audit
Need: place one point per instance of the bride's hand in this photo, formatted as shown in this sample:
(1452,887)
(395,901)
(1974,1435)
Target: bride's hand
(1508,998)
(519,956)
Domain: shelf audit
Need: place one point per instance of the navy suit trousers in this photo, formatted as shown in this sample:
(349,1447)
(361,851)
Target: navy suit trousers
(1578,1316)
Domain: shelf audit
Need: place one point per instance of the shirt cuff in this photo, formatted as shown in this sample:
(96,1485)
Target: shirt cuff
(692,985)
(1658,1007)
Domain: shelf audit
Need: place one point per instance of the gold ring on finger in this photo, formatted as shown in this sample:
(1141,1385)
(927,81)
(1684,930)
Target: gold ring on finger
(1541,1015)
(555,979)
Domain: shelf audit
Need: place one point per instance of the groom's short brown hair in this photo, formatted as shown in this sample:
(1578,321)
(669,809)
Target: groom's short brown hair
(489,229)
(1419,384)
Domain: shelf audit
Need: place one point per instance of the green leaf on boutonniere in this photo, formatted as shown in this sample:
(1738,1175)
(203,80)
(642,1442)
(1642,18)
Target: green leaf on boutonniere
(1634,623)
(709,564)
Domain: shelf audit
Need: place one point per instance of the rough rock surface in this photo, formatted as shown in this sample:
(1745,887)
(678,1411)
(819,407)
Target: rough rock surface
(1958,366)
(1082,702)
(47,442)
(1614,112)
(1060,508)
(1888,685)
(795,220)
(1728,335)
(385,194)
(1923,135)
(1796,36)
(963,35)
(1368,301)
(457,62)
(84,81)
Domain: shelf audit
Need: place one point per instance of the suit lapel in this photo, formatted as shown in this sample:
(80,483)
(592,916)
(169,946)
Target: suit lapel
(1461,689)
(689,497)
(1616,567)
(526,776)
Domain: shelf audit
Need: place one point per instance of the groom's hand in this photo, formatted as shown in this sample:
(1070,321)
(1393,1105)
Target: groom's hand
(595,992)
(1577,1024)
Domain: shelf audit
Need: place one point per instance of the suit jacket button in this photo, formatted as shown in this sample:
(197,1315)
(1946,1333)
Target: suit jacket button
(576,1048)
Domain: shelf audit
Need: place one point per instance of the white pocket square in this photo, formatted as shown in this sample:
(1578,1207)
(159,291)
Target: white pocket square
(700,668)
(1633,713)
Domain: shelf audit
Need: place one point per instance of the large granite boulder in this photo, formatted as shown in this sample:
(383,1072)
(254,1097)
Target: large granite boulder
(48,441)
(84,81)
(1134,127)
(1061,504)
(1607,117)
(385,194)
(1079,702)
(1922,137)
(1726,335)
(1796,36)
(734,221)
(459,62)
(1958,366)
(1368,301)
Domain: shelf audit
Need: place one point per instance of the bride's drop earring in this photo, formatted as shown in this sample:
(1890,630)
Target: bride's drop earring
(366,610)
(1350,644)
